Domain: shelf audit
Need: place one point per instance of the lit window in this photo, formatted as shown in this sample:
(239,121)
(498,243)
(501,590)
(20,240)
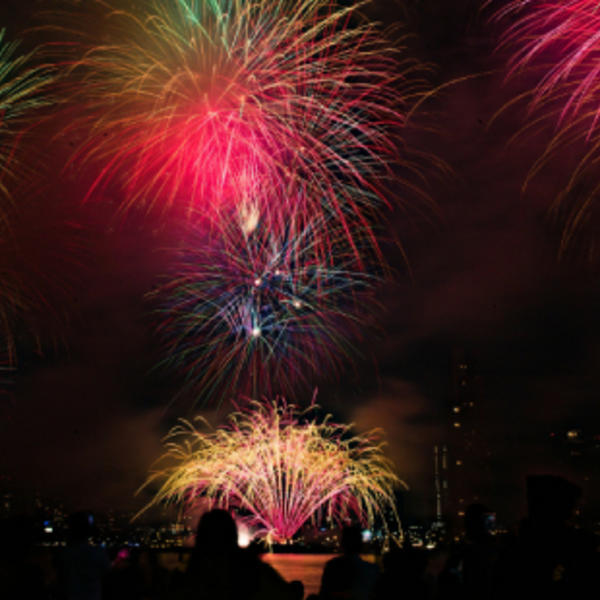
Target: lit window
(456,409)
(459,463)
(456,424)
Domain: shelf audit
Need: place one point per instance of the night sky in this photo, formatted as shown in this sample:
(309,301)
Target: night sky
(483,274)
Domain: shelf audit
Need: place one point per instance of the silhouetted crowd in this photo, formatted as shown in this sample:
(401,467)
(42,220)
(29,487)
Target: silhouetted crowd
(548,558)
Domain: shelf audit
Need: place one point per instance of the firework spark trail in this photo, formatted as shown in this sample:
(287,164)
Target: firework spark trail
(564,36)
(279,469)
(41,261)
(203,103)
(18,297)
(24,84)
(23,90)
(11,301)
(557,42)
(257,313)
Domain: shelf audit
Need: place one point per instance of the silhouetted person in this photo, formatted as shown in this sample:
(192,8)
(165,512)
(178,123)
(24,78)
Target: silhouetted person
(403,570)
(155,576)
(20,577)
(126,578)
(551,559)
(470,567)
(82,566)
(220,570)
(348,576)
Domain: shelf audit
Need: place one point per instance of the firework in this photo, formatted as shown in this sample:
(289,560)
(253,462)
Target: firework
(6,366)
(42,257)
(23,88)
(206,103)
(258,313)
(12,297)
(279,469)
(562,37)
(557,43)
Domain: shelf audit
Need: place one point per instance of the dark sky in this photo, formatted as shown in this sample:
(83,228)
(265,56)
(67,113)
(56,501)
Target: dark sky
(484,274)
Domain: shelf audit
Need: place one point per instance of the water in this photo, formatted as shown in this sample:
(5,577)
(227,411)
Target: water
(308,568)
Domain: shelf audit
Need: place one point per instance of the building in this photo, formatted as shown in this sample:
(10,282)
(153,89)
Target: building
(464,457)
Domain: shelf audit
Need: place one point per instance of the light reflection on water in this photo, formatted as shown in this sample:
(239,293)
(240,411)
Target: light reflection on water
(308,568)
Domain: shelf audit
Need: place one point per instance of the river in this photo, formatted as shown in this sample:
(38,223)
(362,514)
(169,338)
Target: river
(308,568)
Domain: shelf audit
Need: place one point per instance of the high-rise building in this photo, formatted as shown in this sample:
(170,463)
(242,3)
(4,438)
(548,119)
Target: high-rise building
(440,481)
(6,375)
(467,474)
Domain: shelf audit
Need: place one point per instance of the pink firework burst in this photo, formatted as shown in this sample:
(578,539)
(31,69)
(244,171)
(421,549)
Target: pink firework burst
(562,38)
(299,105)
(556,43)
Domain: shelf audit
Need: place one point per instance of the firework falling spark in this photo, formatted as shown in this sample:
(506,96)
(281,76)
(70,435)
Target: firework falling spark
(13,297)
(23,90)
(207,103)
(259,313)
(279,469)
(15,301)
(557,43)
(42,257)
(562,37)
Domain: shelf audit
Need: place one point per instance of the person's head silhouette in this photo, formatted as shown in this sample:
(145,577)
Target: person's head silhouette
(477,522)
(80,526)
(351,539)
(217,532)
(551,499)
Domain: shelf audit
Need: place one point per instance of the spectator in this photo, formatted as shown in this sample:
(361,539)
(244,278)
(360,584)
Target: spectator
(349,577)
(20,576)
(403,569)
(220,570)
(468,573)
(82,566)
(550,559)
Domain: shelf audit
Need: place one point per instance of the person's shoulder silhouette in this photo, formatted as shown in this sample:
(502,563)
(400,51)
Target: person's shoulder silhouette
(20,576)
(220,570)
(349,576)
(550,557)
(82,566)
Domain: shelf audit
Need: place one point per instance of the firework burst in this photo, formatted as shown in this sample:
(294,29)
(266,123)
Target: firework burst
(23,90)
(42,257)
(557,43)
(13,296)
(258,313)
(205,103)
(279,469)
(562,38)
